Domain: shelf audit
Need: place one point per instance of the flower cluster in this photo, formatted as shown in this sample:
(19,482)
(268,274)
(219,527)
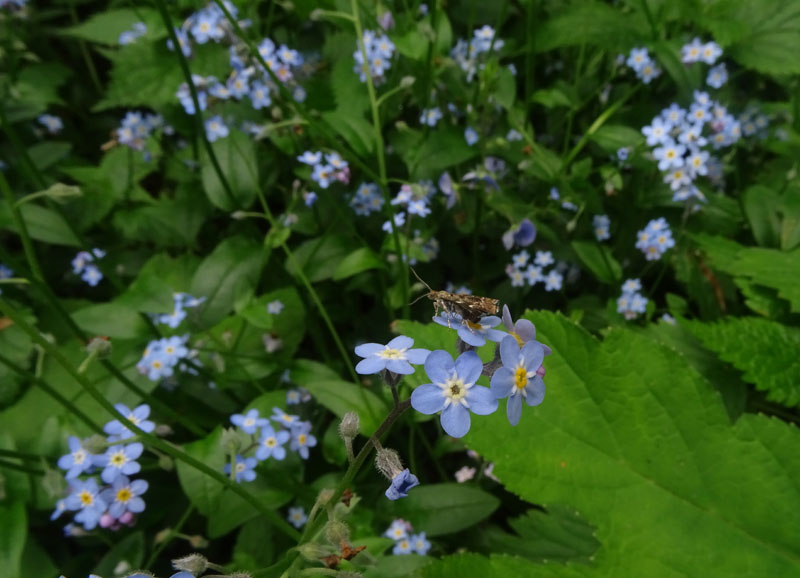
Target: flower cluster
(118,501)
(520,271)
(601,225)
(326,168)
(181,302)
(368,199)
(138,30)
(136,128)
(645,67)
(467,54)
(83,265)
(162,356)
(697,51)
(379,50)
(655,239)
(404,541)
(268,442)
(631,303)
(415,199)
(206,24)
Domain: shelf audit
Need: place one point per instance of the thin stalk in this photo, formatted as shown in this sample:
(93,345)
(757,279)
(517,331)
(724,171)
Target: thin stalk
(21,468)
(35,178)
(379,146)
(87,58)
(150,439)
(168,538)
(22,229)
(19,455)
(198,114)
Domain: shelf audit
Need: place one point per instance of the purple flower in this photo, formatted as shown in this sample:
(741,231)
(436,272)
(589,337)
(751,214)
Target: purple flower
(453,391)
(474,334)
(520,377)
(402,482)
(395,356)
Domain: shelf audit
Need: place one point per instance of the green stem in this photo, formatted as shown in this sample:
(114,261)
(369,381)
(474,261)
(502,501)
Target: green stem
(168,538)
(150,439)
(198,114)
(22,228)
(87,58)
(379,146)
(19,455)
(34,176)
(21,468)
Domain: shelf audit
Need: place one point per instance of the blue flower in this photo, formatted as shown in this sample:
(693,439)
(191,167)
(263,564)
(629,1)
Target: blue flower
(249,422)
(430,116)
(137,417)
(259,95)
(119,460)
(553,281)
(601,224)
(302,439)
(402,546)
(244,469)
(297,517)
(310,158)
(283,418)
(270,445)
(470,135)
(404,481)
(92,275)
(544,258)
(275,307)
(420,544)
(323,175)
(396,356)
(76,462)
(474,334)
(52,123)
(520,377)
(717,76)
(125,496)
(85,496)
(215,128)
(453,391)
(523,330)
(398,530)
(183,42)
(60,509)
(522,235)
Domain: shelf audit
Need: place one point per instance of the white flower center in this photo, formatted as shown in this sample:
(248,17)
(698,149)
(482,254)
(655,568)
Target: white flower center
(390,353)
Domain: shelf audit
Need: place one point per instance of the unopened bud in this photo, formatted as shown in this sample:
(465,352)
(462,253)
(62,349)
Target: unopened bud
(388,463)
(325,496)
(100,346)
(53,483)
(95,444)
(166,463)
(198,541)
(337,532)
(163,430)
(238,215)
(163,535)
(193,563)
(313,552)
(231,442)
(316,14)
(407,81)
(350,425)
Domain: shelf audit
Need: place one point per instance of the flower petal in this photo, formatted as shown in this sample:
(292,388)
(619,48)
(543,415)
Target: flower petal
(509,352)
(490,321)
(400,342)
(495,335)
(371,364)
(455,420)
(507,321)
(481,401)
(400,366)
(533,354)
(417,356)
(439,365)
(502,382)
(535,390)
(514,409)
(471,337)
(525,329)
(367,349)
(427,399)
(469,367)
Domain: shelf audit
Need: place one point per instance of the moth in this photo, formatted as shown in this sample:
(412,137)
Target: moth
(470,307)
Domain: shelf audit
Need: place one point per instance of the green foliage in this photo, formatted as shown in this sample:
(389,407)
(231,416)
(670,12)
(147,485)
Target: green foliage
(14,519)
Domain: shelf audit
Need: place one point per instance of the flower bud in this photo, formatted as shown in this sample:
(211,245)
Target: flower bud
(407,81)
(95,444)
(100,346)
(388,463)
(193,563)
(313,552)
(231,442)
(325,496)
(337,532)
(350,425)
(198,541)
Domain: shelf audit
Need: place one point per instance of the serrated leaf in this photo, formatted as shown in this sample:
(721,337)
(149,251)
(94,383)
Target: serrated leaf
(766,351)
(634,439)
(760,205)
(499,566)
(592,23)
(236,155)
(440,509)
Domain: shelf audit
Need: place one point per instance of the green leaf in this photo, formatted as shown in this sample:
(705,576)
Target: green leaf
(358,261)
(559,534)
(439,509)
(766,351)
(443,148)
(232,510)
(151,291)
(106,26)
(599,260)
(639,443)
(612,137)
(412,44)
(236,155)
(46,154)
(762,36)
(462,565)
(505,91)
(14,522)
(592,23)
(760,205)
(43,224)
(111,320)
(230,271)
(201,490)
(398,566)
(320,258)
(342,396)
(790,225)
(353,128)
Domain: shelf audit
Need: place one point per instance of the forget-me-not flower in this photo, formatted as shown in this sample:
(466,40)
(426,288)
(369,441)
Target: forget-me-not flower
(249,422)
(76,462)
(520,377)
(270,445)
(396,356)
(243,469)
(119,460)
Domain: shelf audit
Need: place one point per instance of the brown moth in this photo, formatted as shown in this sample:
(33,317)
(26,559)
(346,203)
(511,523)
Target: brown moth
(470,307)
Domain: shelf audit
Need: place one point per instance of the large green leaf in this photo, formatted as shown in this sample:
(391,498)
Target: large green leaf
(229,272)
(111,320)
(439,509)
(236,155)
(201,490)
(594,23)
(765,350)
(320,258)
(106,26)
(640,444)
(599,260)
(14,522)
(759,35)
(462,565)
(443,148)
(43,224)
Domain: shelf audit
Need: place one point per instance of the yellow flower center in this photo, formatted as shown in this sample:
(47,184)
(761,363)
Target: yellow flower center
(517,337)
(270,442)
(118,459)
(124,494)
(87,499)
(520,378)
(455,389)
(389,353)
(301,439)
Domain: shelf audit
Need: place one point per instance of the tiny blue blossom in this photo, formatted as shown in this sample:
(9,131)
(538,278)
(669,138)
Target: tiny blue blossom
(78,461)
(249,422)
(472,333)
(430,116)
(270,445)
(215,128)
(396,356)
(420,544)
(302,439)
(119,460)
(601,224)
(297,517)
(401,547)
(470,135)
(243,468)
(138,417)
(125,496)
(283,418)
(402,483)
(520,377)
(398,530)
(453,391)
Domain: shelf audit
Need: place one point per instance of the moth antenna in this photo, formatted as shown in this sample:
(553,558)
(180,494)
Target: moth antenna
(417,299)
(420,280)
